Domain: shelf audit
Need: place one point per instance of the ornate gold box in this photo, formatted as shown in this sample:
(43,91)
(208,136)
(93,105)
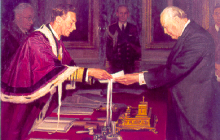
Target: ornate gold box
(141,121)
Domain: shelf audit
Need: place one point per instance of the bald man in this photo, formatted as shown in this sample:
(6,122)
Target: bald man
(17,31)
(190,75)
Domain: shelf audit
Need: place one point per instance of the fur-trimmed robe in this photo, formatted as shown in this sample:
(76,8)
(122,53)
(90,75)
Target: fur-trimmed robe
(33,74)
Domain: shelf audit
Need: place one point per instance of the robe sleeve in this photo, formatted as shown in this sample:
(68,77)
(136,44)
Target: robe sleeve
(34,68)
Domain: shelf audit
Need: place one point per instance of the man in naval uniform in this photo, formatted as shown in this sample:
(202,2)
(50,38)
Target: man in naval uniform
(122,47)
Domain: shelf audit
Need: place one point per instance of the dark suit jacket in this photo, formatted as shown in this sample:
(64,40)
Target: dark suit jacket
(124,51)
(214,34)
(216,37)
(190,74)
(12,38)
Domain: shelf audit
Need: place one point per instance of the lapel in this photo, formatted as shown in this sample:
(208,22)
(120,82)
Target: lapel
(118,28)
(48,34)
(127,28)
(56,41)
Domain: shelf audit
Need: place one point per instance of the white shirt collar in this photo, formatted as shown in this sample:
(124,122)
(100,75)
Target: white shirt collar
(186,25)
(217,28)
(55,34)
(120,25)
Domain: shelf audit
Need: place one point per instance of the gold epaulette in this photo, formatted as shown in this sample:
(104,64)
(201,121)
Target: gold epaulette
(79,76)
(90,81)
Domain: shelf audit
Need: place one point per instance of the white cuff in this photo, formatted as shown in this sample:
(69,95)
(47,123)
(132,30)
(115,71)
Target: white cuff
(141,79)
(217,77)
(87,77)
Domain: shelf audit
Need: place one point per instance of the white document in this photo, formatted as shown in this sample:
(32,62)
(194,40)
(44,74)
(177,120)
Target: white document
(45,139)
(71,110)
(90,91)
(49,124)
(114,75)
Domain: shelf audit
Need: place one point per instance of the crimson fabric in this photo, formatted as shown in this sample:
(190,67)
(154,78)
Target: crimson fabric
(190,74)
(33,66)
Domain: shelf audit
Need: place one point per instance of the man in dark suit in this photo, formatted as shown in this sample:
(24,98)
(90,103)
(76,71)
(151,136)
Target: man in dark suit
(123,46)
(190,75)
(14,34)
(215,32)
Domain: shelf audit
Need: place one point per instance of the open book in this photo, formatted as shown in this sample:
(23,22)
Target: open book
(50,124)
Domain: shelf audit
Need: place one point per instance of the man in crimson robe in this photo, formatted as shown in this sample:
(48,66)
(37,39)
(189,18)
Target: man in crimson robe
(41,65)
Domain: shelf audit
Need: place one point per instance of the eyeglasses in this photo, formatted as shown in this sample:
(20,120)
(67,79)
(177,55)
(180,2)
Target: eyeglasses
(29,18)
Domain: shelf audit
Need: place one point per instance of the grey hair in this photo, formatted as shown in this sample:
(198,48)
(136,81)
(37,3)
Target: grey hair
(20,8)
(217,6)
(173,11)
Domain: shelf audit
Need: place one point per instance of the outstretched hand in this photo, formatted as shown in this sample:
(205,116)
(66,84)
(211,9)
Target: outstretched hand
(128,79)
(99,74)
(217,69)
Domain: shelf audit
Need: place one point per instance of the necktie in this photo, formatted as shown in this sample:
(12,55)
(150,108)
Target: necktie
(123,28)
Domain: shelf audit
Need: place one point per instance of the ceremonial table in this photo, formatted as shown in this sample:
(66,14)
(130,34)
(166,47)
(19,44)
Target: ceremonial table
(155,98)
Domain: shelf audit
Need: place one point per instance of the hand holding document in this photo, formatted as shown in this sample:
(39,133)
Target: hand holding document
(114,75)
(99,73)
(128,79)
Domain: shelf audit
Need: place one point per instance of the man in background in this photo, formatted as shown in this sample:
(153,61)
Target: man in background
(122,47)
(190,75)
(215,32)
(40,65)
(15,33)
